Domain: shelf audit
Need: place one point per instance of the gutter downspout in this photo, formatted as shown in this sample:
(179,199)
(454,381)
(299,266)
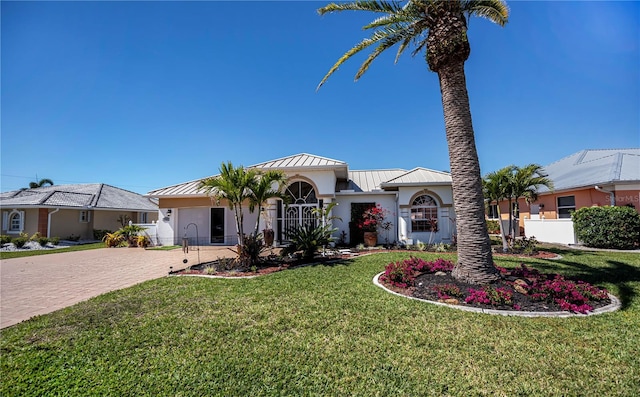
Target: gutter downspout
(612,195)
(49,221)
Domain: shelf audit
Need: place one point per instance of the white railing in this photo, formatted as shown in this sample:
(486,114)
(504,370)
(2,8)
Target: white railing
(151,231)
(558,231)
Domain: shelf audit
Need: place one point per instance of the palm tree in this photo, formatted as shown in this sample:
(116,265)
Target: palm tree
(40,183)
(234,185)
(496,187)
(524,182)
(440,29)
(262,190)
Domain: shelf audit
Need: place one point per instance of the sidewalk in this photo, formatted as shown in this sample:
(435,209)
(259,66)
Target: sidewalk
(41,284)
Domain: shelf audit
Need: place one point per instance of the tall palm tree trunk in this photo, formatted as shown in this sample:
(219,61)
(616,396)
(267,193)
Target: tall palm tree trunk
(475,261)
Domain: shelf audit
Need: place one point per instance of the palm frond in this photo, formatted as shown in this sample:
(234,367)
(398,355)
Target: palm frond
(372,6)
(495,11)
(391,37)
(356,49)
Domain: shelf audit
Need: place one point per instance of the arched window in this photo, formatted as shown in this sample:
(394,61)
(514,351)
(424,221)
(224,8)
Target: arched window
(424,214)
(301,193)
(13,221)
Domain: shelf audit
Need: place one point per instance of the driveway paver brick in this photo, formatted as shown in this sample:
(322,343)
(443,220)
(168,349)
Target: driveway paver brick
(41,284)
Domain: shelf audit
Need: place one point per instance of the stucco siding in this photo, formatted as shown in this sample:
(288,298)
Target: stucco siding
(66,223)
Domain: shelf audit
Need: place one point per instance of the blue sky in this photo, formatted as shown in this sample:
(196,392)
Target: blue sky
(143,95)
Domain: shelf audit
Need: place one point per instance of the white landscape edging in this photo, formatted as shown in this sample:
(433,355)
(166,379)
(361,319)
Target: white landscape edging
(613,306)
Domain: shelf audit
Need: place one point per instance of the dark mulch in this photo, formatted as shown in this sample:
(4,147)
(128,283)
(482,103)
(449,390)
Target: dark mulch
(267,265)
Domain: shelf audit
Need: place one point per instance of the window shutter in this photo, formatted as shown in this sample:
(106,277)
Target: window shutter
(21,220)
(5,220)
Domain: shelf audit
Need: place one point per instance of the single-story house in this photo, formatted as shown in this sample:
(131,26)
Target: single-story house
(414,200)
(585,179)
(73,210)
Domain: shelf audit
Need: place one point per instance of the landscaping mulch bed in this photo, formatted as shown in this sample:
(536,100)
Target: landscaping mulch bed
(424,290)
(267,266)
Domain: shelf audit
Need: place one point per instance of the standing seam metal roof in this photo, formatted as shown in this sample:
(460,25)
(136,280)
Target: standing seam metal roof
(594,167)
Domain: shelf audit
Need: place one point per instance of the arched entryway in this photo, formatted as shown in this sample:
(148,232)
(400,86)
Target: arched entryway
(302,200)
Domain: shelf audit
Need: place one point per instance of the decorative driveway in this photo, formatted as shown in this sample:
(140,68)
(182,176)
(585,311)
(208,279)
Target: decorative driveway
(41,284)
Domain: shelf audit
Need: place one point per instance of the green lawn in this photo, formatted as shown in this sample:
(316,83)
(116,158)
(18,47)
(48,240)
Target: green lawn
(325,330)
(22,254)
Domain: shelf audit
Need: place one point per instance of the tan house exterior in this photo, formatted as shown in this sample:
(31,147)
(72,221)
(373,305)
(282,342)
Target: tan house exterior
(72,211)
(584,179)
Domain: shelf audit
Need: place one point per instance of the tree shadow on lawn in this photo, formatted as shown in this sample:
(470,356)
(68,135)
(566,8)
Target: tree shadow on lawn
(621,274)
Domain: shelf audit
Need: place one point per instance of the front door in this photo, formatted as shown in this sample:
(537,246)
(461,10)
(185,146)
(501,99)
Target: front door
(217,225)
(298,212)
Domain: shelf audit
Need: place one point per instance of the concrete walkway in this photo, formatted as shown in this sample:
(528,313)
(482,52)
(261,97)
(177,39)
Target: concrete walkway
(41,284)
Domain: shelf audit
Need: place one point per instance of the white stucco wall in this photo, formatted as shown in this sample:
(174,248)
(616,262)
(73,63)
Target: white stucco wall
(324,181)
(446,214)
(558,231)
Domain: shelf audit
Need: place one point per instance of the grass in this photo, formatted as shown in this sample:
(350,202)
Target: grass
(164,248)
(22,254)
(325,330)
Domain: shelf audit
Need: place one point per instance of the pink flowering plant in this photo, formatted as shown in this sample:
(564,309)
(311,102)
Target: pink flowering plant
(402,274)
(373,218)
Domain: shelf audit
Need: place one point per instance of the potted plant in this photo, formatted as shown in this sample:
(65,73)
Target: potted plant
(267,234)
(371,220)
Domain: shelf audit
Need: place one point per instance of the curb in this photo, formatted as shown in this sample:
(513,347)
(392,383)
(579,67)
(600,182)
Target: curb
(613,306)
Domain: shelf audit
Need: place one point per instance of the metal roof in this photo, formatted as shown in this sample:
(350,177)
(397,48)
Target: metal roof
(357,181)
(419,176)
(594,167)
(95,195)
(297,161)
(182,189)
(302,160)
(369,180)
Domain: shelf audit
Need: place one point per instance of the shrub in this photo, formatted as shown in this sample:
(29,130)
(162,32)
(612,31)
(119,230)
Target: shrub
(98,234)
(249,252)
(399,274)
(447,291)
(43,241)
(35,236)
(493,227)
(403,274)
(490,296)
(4,239)
(527,246)
(608,227)
(54,240)
(142,241)
(308,239)
(19,242)
(114,240)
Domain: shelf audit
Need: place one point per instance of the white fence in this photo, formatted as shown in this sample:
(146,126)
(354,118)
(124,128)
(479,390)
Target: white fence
(551,230)
(151,231)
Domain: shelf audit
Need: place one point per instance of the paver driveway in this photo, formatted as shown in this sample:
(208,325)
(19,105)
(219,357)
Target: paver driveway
(42,284)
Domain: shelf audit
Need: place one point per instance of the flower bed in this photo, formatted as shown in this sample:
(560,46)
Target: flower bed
(520,289)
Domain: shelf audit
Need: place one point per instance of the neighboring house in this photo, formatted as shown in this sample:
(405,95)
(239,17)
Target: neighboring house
(72,210)
(411,198)
(585,179)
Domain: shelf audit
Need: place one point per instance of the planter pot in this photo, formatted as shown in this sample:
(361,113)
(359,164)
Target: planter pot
(370,239)
(268,235)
